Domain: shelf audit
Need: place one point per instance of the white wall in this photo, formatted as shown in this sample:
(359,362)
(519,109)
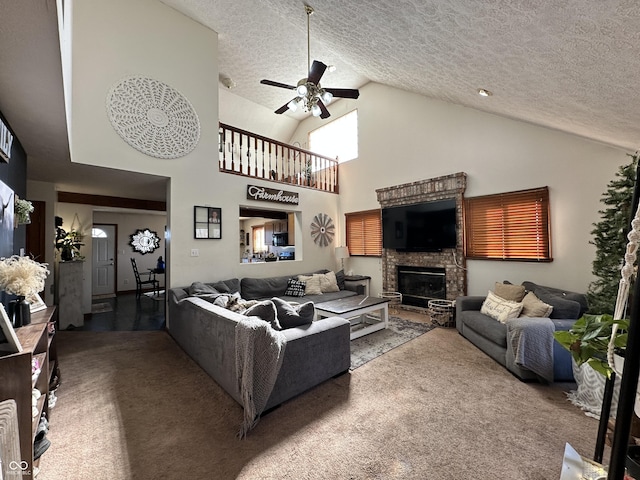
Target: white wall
(405,137)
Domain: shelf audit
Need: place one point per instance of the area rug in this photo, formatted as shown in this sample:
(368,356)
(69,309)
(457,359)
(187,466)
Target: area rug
(101,307)
(153,296)
(368,347)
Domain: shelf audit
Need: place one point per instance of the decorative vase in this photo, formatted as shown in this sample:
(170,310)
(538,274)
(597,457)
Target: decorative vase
(66,254)
(20,312)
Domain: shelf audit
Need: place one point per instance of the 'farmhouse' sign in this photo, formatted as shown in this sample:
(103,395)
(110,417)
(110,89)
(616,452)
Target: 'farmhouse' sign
(6,139)
(262,194)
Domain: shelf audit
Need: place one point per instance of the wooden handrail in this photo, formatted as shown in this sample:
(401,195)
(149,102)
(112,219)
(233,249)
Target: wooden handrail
(252,155)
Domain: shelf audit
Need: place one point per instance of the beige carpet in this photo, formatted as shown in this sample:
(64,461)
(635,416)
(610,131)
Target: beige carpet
(132,405)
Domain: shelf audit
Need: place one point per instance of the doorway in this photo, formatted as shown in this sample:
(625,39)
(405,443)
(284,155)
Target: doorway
(103,277)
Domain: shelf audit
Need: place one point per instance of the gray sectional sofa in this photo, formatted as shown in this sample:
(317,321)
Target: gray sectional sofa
(314,352)
(490,335)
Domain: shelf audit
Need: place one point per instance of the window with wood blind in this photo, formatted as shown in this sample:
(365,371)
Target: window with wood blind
(364,233)
(509,226)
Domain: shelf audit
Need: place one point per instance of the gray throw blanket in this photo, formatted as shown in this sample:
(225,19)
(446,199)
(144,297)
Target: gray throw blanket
(259,354)
(531,341)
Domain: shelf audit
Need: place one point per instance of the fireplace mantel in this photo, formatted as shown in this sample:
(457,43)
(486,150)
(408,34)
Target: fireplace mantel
(451,259)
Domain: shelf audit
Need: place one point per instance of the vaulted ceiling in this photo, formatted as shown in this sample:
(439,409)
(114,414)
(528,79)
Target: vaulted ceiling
(571,65)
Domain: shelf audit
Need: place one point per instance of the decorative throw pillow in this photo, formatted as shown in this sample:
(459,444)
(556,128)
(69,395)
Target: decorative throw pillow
(532,306)
(312,284)
(295,288)
(513,293)
(294,316)
(499,308)
(340,279)
(266,310)
(328,282)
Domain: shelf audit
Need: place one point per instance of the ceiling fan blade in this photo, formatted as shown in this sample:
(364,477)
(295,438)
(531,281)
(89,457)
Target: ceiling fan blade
(325,113)
(277,84)
(343,92)
(316,71)
(282,109)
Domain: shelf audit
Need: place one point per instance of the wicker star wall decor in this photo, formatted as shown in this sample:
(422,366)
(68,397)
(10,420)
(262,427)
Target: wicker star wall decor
(322,229)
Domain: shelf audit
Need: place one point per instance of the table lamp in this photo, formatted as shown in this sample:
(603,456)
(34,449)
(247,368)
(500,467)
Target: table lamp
(342,253)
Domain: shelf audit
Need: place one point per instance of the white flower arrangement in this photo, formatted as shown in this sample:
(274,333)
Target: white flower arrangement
(22,276)
(22,210)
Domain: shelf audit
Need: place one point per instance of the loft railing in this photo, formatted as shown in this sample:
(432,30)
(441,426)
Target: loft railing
(251,155)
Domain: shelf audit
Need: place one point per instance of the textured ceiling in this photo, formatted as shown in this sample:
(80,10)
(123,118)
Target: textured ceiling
(571,65)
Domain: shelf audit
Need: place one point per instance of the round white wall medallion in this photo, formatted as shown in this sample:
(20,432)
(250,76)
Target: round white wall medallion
(153,117)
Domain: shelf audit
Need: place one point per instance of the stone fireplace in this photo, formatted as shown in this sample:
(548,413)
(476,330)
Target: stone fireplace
(449,261)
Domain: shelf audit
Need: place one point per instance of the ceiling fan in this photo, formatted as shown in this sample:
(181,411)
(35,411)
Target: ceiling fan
(311,97)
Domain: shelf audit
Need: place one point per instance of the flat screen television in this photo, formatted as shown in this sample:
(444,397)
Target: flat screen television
(423,227)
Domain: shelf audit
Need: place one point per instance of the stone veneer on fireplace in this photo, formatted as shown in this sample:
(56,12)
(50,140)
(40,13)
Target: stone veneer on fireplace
(450,259)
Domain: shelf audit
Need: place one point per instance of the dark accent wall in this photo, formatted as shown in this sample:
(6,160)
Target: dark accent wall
(14,174)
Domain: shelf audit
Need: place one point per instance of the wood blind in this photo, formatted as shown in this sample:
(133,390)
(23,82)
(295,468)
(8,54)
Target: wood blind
(364,233)
(509,226)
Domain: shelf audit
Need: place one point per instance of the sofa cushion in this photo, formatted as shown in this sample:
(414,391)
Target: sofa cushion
(532,306)
(340,279)
(499,308)
(261,288)
(266,310)
(312,284)
(485,326)
(293,315)
(295,288)
(563,306)
(200,288)
(513,293)
(232,285)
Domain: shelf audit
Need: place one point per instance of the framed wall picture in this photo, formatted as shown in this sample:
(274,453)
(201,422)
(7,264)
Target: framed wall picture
(207,222)
(8,331)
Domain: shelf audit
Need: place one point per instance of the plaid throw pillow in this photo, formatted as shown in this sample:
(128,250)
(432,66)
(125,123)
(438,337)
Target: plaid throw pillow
(295,288)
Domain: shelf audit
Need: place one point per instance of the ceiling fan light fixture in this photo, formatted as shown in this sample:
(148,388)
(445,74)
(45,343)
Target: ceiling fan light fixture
(483,92)
(326,97)
(293,105)
(315,110)
(302,89)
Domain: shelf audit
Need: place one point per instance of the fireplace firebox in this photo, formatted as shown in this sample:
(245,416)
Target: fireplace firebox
(418,285)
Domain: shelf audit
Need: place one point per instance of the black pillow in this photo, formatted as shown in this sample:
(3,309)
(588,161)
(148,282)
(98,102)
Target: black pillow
(295,288)
(266,310)
(290,316)
(340,279)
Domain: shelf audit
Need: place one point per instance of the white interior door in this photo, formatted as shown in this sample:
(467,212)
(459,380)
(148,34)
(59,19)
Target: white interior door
(103,261)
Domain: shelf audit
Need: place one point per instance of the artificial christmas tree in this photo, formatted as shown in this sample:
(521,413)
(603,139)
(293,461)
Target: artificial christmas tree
(610,238)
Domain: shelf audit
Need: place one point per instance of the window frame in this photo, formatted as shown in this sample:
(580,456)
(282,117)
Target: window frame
(510,226)
(368,249)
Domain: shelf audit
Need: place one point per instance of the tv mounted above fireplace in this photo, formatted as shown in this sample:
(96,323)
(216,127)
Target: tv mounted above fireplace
(422,227)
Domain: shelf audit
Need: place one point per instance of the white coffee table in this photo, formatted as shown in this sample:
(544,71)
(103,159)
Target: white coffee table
(356,309)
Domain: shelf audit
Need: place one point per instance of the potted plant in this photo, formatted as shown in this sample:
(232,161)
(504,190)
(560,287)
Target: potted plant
(588,340)
(68,243)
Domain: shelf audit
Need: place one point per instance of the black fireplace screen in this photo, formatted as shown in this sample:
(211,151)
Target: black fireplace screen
(418,285)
